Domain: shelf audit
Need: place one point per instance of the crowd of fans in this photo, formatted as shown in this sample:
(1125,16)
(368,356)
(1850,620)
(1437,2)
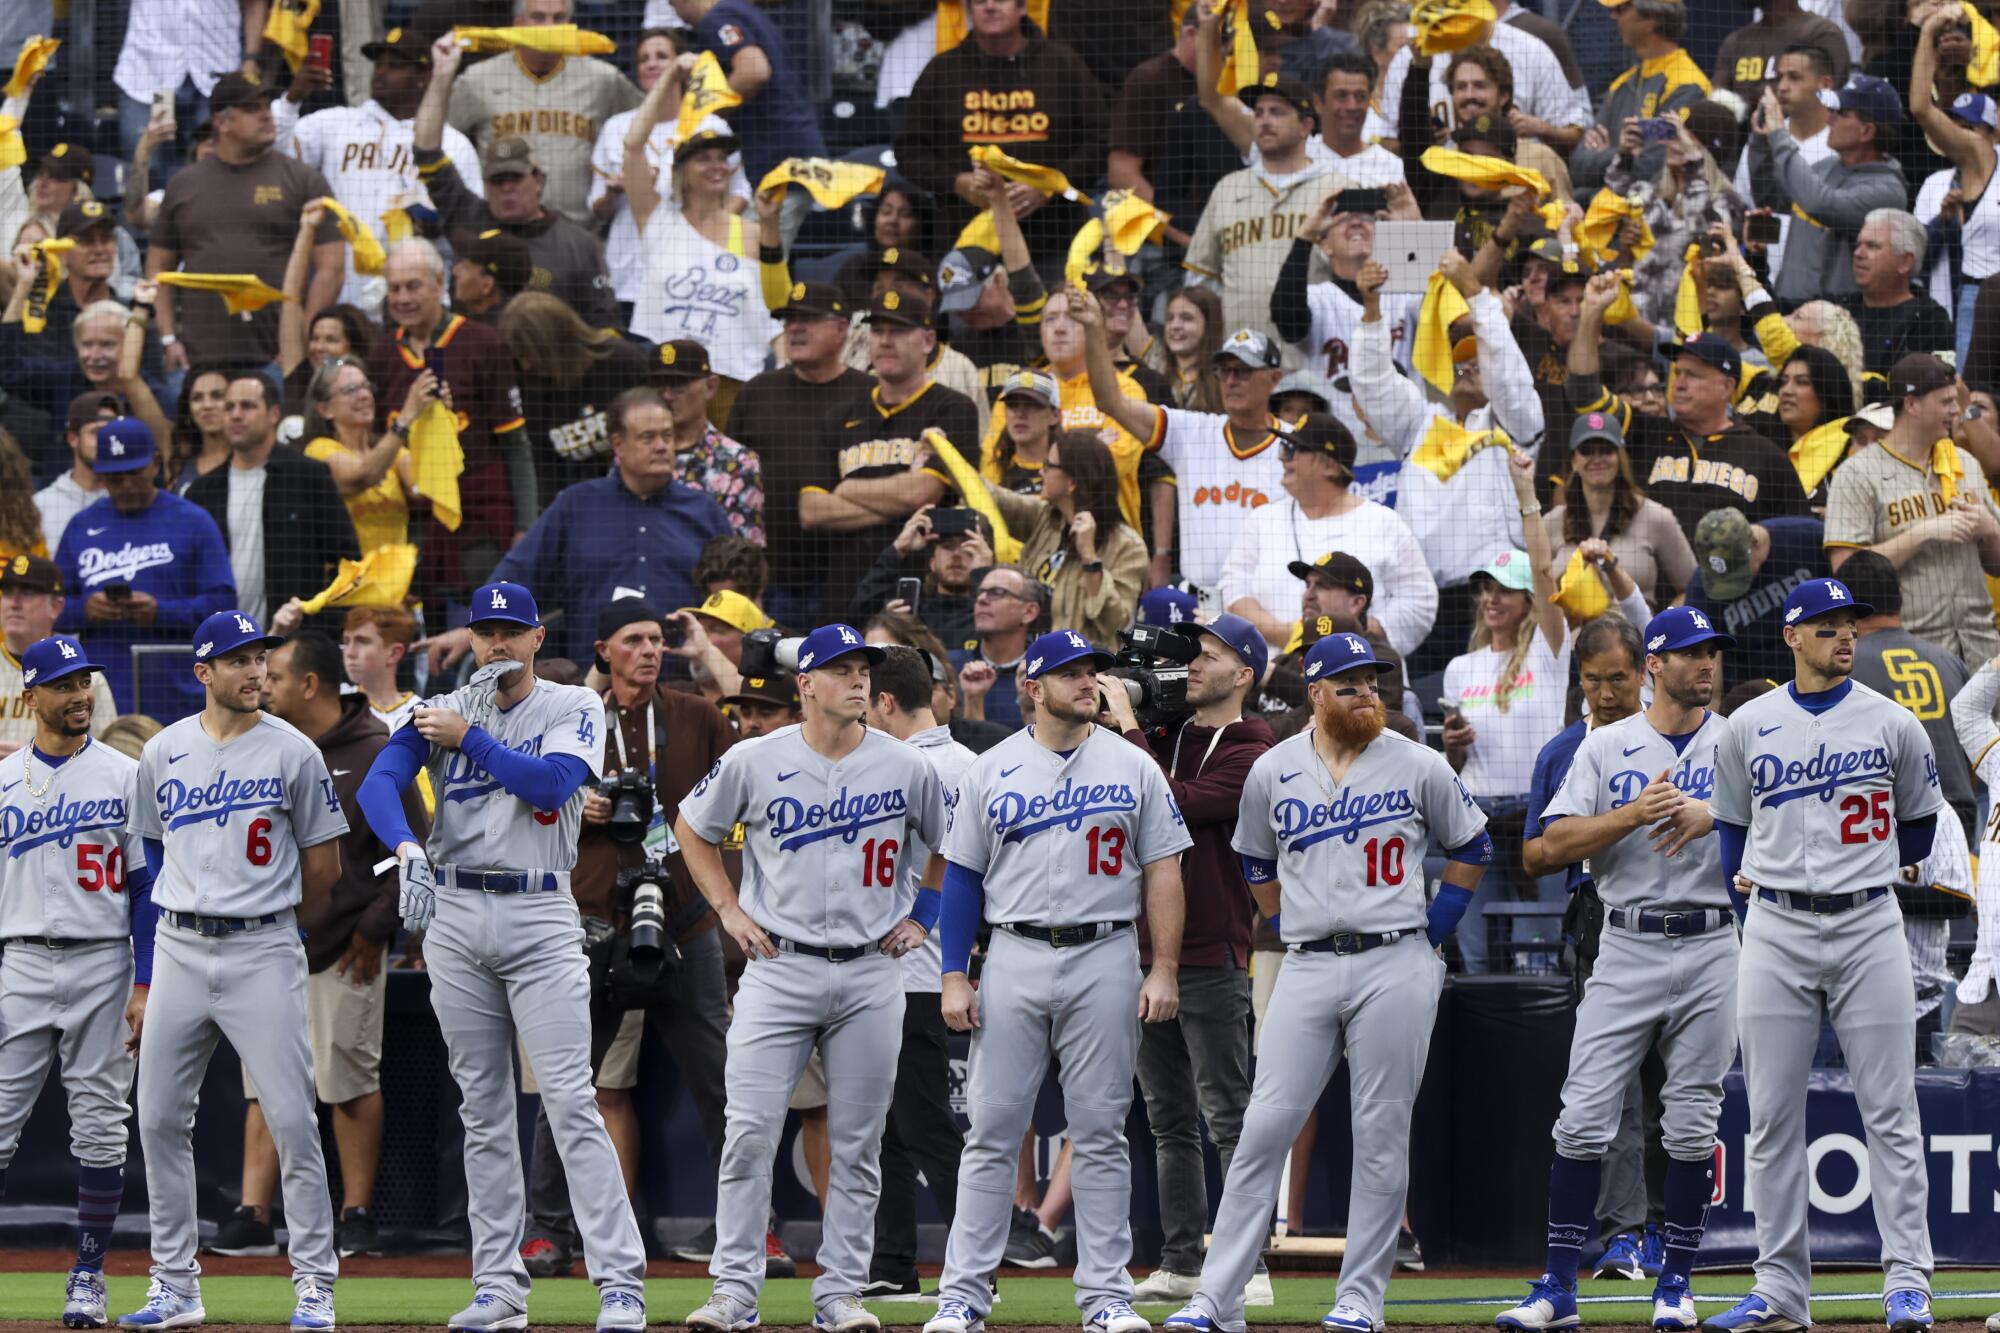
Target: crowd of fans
(1116,338)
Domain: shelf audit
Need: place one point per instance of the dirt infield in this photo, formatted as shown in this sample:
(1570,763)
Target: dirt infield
(26,1326)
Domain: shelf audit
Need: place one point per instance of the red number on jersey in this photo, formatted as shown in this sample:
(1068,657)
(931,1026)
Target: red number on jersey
(1867,818)
(1107,851)
(257,843)
(546,817)
(878,863)
(1385,861)
(99,867)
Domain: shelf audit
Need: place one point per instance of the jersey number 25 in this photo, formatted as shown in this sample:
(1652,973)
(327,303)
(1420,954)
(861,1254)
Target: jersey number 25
(1867,818)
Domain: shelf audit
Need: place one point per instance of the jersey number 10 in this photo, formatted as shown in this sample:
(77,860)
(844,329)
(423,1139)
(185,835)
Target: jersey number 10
(1385,861)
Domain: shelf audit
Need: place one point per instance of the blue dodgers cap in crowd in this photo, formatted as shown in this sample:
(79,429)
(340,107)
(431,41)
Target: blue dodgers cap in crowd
(1816,597)
(1680,627)
(124,444)
(1242,637)
(49,660)
(1338,653)
(505,601)
(1059,648)
(225,632)
(1161,607)
(1975,109)
(1870,96)
(829,642)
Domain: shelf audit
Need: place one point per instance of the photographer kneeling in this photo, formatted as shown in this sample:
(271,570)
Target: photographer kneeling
(656,959)
(1200,1061)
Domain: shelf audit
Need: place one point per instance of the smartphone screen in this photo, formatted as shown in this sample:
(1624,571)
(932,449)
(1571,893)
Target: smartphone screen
(319,51)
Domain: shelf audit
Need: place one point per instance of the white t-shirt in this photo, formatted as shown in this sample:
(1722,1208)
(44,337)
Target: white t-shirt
(1327,348)
(59,502)
(1539,86)
(1220,479)
(621,244)
(1501,760)
(697,289)
(1374,165)
(1930,202)
(1272,537)
(246,539)
(903,62)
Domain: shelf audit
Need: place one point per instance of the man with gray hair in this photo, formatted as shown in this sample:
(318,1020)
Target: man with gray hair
(1830,199)
(1895,318)
(1664,82)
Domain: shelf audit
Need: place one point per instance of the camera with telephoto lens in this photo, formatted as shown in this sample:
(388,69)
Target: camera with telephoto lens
(647,941)
(631,797)
(760,654)
(1152,666)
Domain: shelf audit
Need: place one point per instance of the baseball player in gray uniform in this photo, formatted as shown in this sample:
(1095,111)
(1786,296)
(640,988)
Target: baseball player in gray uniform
(508,756)
(73,881)
(830,811)
(1333,829)
(240,821)
(1057,832)
(1824,790)
(1633,807)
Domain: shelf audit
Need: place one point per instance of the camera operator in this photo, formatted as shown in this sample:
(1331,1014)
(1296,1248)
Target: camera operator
(946,549)
(674,738)
(1200,1061)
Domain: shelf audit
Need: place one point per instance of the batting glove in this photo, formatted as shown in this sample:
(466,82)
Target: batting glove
(416,898)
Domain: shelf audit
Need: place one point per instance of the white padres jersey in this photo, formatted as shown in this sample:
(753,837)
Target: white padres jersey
(1062,840)
(923,967)
(17,717)
(622,253)
(65,853)
(1821,794)
(825,842)
(479,824)
(1351,856)
(394,718)
(233,817)
(1539,86)
(1221,477)
(1613,765)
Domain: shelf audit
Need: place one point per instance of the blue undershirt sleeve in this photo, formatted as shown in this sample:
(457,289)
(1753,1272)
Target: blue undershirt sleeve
(1914,838)
(1732,838)
(964,904)
(544,783)
(380,795)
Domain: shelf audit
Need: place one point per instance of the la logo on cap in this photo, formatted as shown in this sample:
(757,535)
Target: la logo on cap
(499,601)
(67,651)
(1700,620)
(243,625)
(1836,592)
(1355,646)
(117,447)
(848,636)
(1076,640)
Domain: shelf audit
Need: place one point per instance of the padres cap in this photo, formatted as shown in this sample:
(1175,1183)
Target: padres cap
(1102,278)
(814,300)
(1596,426)
(1680,627)
(401,43)
(780,687)
(1319,433)
(1276,85)
(1058,648)
(1338,654)
(898,259)
(1709,349)
(682,359)
(1496,132)
(1509,569)
(732,609)
(504,256)
(504,601)
(48,660)
(1242,638)
(1036,384)
(892,307)
(226,631)
(235,89)
(703,139)
(1975,109)
(1722,548)
(510,156)
(963,276)
(1249,347)
(1917,374)
(86,215)
(31,573)
(829,643)
(68,162)
(123,445)
(1818,597)
(1161,607)
(1340,569)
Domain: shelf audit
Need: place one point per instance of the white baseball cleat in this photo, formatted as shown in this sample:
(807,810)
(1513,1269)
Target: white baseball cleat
(1117,1316)
(621,1311)
(1164,1284)
(1550,1304)
(722,1313)
(489,1314)
(1347,1318)
(315,1307)
(954,1316)
(1257,1291)
(83,1299)
(1673,1307)
(845,1314)
(166,1307)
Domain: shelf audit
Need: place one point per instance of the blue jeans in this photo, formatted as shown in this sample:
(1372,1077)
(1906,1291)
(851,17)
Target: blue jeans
(1968,297)
(190,109)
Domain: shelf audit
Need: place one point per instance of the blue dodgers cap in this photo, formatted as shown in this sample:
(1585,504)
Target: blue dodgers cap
(1243,638)
(1059,648)
(1161,607)
(1680,627)
(1870,96)
(124,444)
(49,660)
(829,642)
(1974,109)
(505,601)
(1816,597)
(1336,654)
(225,632)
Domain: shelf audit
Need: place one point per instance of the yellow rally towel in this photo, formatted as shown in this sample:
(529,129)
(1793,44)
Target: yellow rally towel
(1622,310)
(1042,180)
(1443,305)
(972,488)
(560,39)
(1581,592)
(380,578)
(979,232)
(1444,26)
(1687,296)
(241,293)
(1495,173)
(1944,462)
(1130,221)
(951,29)
(1984,71)
(13,152)
(35,316)
(368,253)
(1448,446)
(436,460)
(1240,68)
(1818,451)
(1086,252)
(34,58)
(1598,231)
(708,92)
(830,183)
(287,26)
(396,225)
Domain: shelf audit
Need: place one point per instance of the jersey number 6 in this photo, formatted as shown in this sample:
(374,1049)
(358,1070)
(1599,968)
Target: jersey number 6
(257,843)
(100,867)
(1867,818)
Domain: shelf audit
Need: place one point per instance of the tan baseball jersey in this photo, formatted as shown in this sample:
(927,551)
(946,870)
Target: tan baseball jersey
(1243,237)
(559,115)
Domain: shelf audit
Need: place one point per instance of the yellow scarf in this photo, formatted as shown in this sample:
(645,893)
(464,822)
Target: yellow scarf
(1042,180)
(35,316)
(1984,71)
(1495,173)
(1448,446)
(34,58)
(830,183)
(436,461)
(369,257)
(1944,462)
(977,495)
(1443,305)
(1818,452)
(1240,69)
(287,26)
(951,29)
(241,293)
(708,92)
(380,578)
(13,152)
(1580,593)
(1599,228)
(558,39)
(1687,296)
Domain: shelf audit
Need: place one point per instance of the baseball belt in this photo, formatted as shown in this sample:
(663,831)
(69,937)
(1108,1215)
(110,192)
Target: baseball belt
(1674,925)
(213,926)
(503,881)
(1066,937)
(1821,904)
(1347,942)
(841,953)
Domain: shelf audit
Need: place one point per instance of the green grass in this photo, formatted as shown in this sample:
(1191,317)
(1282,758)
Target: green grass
(1025,1300)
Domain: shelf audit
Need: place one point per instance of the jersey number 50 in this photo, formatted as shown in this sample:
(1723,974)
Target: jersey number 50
(100,867)
(1867,818)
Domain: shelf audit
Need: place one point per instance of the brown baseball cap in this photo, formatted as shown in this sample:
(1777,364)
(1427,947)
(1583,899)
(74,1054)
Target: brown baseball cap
(503,255)
(1917,374)
(31,573)
(781,688)
(896,259)
(91,405)
(814,300)
(68,162)
(400,43)
(892,307)
(84,216)
(235,90)
(1340,569)
(510,156)
(682,359)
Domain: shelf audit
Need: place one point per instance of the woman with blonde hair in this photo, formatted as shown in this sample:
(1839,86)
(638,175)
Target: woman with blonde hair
(371,469)
(569,375)
(1185,350)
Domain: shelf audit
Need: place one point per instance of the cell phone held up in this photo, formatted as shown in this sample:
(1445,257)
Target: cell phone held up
(1762,227)
(908,591)
(1659,129)
(434,362)
(319,51)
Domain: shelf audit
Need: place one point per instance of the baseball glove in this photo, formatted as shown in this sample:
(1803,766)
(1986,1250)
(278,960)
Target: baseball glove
(416,898)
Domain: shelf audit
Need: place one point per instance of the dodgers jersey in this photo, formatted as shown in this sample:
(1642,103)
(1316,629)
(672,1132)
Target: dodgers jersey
(825,841)
(1062,839)
(233,815)
(1351,856)
(1821,794)
(923,966)
(64,856)
(479,824)
(1612,766)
